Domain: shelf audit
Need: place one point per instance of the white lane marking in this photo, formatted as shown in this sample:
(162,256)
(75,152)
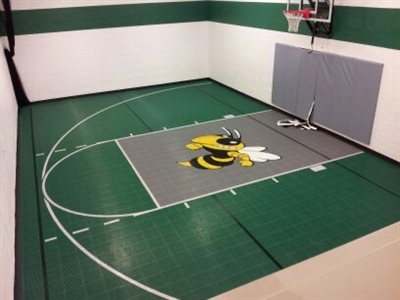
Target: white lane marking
(138,175)
(135,214)
(102,263)
(111,222)
(60,150)
(130,134)
(195,122)
(39,154)
(233,192)
(165,128)
(187,205)
(239,185)
(103,110)
(318,168)
(229,116)
(50,239)
(80,146)
(80,230)
(274,179)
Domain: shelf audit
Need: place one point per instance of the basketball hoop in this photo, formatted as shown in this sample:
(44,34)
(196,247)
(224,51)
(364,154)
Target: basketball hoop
(294,17)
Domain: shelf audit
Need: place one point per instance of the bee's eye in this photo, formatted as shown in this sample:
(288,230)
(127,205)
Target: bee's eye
(227,141)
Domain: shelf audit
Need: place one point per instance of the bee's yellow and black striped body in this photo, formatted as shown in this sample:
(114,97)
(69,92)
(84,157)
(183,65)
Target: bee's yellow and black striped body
(223,149)
(214,161)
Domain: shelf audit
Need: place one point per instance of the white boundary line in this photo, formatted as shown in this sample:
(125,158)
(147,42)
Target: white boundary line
(275,180)
(233,192)
(138,175)
(186,205)
(111,222)
(50,239)
(80,230)
(100,262)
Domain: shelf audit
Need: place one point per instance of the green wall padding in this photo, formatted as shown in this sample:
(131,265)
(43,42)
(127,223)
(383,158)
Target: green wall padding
(81,18)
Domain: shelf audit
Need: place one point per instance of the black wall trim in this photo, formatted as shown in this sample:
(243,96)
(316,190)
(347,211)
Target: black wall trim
(40,223)
(19,91)
(9,26)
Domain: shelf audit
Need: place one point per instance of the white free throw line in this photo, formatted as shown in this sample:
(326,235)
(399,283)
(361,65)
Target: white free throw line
(39,154)
(50,239)
(233,192)
(111,222)
(80,230)
(60,150)
(187,205)
(274,179)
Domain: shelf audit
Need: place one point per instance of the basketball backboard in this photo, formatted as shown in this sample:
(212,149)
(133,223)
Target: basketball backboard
(318,15)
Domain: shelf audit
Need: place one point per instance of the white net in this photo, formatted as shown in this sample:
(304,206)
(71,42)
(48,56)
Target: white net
(293,19)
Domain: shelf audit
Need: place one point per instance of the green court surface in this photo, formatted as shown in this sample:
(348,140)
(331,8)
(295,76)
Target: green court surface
(88,228)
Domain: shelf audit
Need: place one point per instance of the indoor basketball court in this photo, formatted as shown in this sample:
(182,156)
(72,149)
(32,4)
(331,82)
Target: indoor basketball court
(191,149)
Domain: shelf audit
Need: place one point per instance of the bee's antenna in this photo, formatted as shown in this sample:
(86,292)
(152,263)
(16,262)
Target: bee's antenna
(227,131)
(239,136)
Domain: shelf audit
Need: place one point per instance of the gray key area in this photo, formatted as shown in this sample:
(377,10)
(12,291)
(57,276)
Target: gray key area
(155,156)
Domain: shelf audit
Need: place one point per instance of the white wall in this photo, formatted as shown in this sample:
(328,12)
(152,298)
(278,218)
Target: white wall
(242,58)
(8,150)
(60,64)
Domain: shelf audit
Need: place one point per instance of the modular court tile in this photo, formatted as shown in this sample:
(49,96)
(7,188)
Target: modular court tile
(155,157)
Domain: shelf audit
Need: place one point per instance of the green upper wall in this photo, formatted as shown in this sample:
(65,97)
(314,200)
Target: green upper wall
(370,26)
(93,17)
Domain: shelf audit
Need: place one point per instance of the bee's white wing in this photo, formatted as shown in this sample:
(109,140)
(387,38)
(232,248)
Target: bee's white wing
(253,149)
(256,154)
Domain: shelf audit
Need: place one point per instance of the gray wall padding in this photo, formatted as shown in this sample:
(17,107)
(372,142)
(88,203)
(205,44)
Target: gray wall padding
(345,89)
(286,77)
(306,84)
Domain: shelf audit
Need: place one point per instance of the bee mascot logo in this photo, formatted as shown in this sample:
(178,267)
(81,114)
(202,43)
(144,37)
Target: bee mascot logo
(224,149)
